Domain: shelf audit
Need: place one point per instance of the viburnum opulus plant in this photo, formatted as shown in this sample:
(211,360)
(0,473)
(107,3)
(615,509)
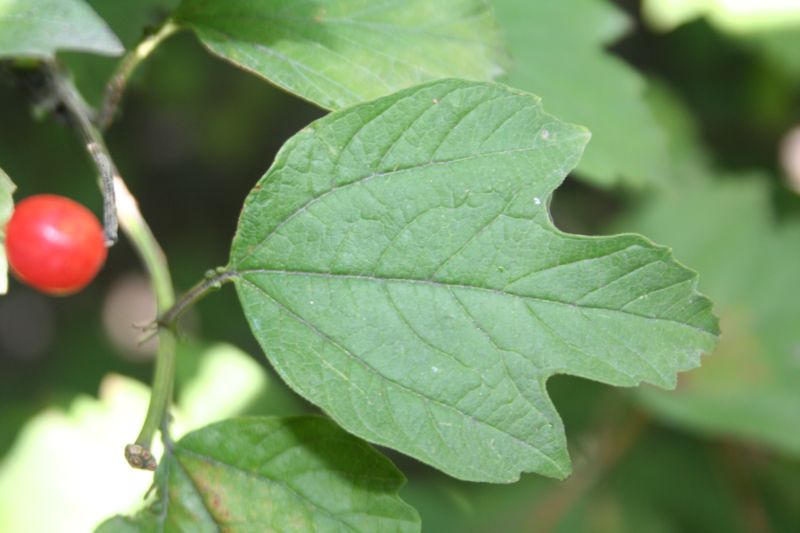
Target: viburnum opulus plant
(397,262)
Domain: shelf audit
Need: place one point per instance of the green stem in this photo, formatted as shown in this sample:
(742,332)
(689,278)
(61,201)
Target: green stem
(134,226)
(127,66)
(212,282)
(140,235)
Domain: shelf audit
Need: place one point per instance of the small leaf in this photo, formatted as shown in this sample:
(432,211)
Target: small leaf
(400,269)
(40,28)
(273,474)
(586,84)
(7,189)
(335,53)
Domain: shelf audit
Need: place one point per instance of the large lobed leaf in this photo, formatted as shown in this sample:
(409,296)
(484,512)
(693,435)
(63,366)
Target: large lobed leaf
(7,188)
(340,52)
(273,474)
(400,269)
(40,28)
(558,53)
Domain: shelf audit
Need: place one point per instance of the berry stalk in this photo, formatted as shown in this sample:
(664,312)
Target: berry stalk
(120,200)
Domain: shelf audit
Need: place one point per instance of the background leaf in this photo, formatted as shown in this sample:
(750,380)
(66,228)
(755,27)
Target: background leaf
(727,226)
(780,49)
(273,474)
(339,52)
(750,260)
(399,267)
(558,53)
(666,482)
(70,461)
(768,27)
(40,28)
(7,188)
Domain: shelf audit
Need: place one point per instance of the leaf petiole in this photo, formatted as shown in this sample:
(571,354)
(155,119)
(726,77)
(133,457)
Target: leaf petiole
(127,66)
(213,281)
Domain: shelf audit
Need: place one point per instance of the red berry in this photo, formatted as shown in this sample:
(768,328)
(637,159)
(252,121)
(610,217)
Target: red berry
(54,244)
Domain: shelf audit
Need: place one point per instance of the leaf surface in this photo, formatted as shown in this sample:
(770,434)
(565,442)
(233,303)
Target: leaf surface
(7,188)
(400,269)
(273,474)
(335,53)
(558,53)
(40,28)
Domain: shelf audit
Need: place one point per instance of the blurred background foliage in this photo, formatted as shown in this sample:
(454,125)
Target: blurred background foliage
(696,108)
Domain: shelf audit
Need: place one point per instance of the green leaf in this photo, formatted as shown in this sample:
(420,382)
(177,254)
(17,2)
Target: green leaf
(273,474)
(82,447)
(771,29)
(207,397)
(779,48)
(7,188)
(725,226)
(558,50)
(40,28)
(400,269)
(694,492)
(70,463)
(336,53)
(750,262)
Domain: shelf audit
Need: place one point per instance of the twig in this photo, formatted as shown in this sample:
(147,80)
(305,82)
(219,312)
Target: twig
(138,232)
(127,66)
(66,92)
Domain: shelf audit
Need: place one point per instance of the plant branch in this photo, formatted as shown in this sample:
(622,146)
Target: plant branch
(134,226)
(127,66)
(66,92)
